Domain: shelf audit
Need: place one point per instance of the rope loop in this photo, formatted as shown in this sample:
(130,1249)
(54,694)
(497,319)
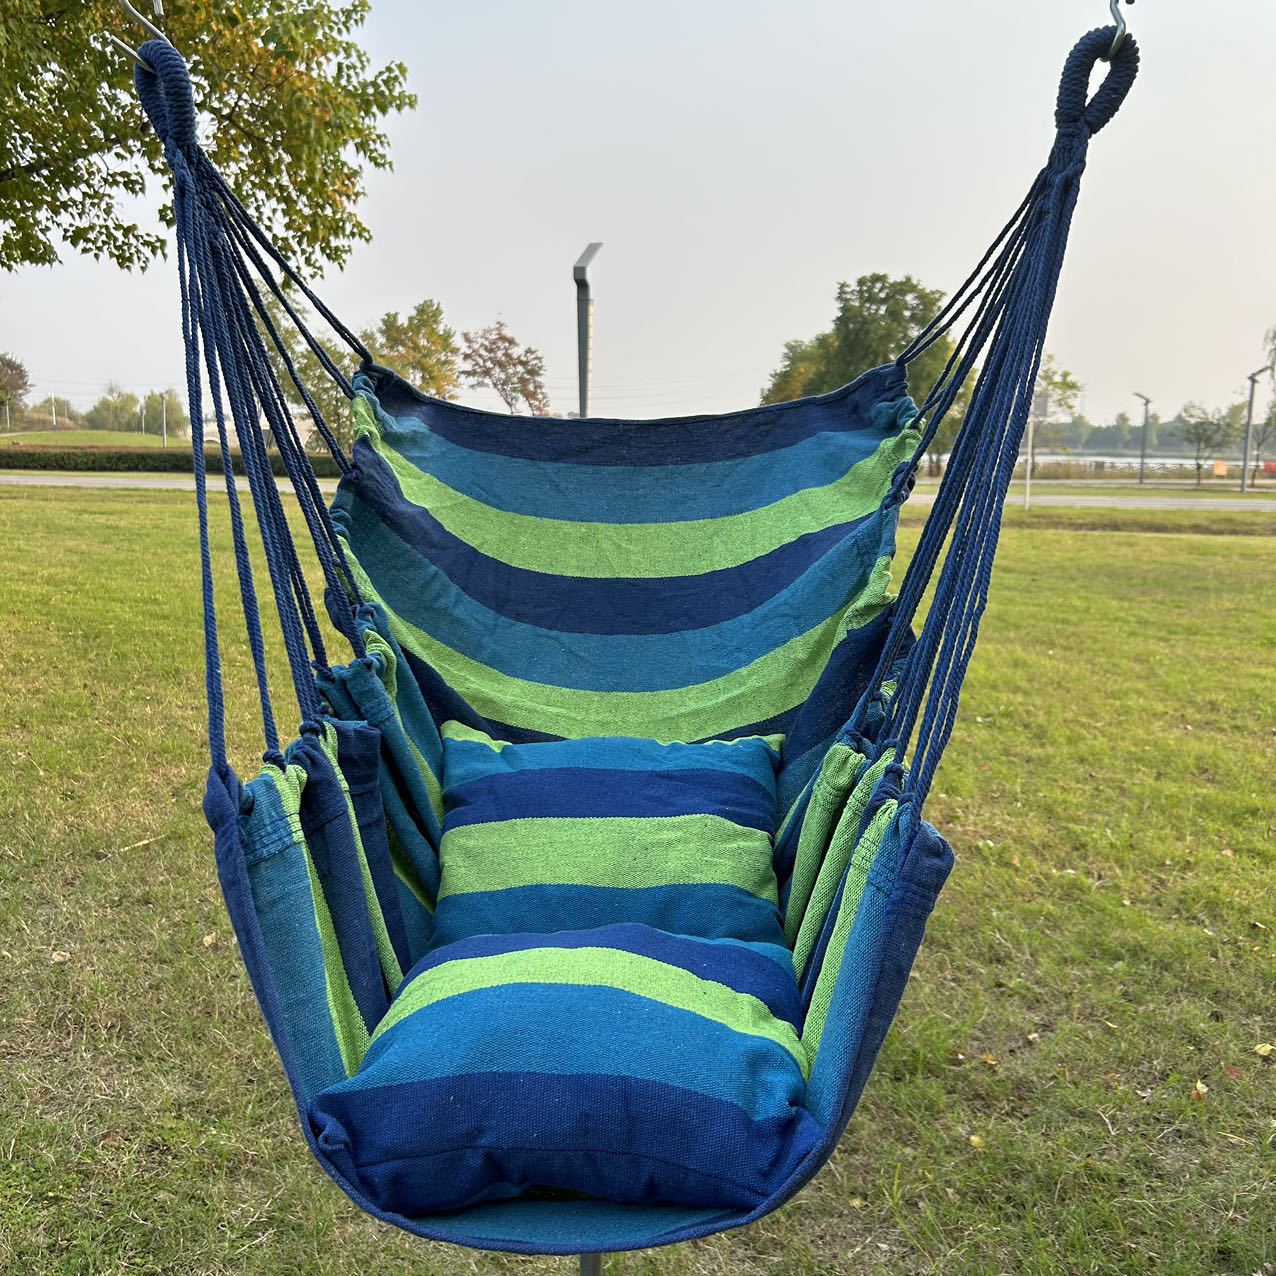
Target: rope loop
(167,97)
(1075,104)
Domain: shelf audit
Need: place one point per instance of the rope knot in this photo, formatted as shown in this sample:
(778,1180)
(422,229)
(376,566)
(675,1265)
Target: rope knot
(166,95)
(1075,106)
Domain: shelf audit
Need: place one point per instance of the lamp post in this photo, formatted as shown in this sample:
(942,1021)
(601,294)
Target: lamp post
(1249,425)
(584,321)
(1143,446)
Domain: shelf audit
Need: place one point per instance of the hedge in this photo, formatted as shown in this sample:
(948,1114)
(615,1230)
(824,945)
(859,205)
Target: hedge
(171,460)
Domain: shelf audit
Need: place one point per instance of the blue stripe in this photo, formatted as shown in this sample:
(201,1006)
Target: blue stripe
(369,505)
(762,971)
(598,793)
(641,494)
(499,1134)
(359,756)
(703,911)
(286,958)
(325,820)
(471,759)
(432,602)
(678,440)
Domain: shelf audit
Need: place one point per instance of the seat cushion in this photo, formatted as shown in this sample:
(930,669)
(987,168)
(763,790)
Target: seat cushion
(567,835)
(620,1062)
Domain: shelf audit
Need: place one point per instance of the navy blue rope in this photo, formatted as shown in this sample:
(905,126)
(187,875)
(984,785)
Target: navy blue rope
(1011,293)
(219,248)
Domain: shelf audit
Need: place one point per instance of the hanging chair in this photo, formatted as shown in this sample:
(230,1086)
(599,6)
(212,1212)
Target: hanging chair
(581,905)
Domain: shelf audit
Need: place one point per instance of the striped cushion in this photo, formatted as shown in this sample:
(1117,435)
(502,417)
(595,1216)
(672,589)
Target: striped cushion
(621,1062)
(579,833)
(608,1006)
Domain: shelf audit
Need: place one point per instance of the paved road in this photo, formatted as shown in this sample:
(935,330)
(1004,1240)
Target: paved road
(1263,504)
(134,482)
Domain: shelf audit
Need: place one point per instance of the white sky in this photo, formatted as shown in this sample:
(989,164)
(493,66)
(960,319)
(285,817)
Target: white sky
(738,159)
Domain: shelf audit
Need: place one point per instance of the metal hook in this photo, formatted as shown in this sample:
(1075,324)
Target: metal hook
(1122,28)
(150,27)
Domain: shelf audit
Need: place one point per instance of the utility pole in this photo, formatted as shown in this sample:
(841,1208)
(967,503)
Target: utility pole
(1143,446)
(53,411)
(141,414)
(584,322)
(1249,425)
(164,418)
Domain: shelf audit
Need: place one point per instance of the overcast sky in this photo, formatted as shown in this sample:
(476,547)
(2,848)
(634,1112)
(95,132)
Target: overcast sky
(738,159)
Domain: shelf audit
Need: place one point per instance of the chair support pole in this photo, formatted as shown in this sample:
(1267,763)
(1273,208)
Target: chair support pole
(591,1265)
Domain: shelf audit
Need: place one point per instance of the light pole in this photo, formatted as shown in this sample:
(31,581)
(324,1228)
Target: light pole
(584,321)
(1249,425)
(1143,446)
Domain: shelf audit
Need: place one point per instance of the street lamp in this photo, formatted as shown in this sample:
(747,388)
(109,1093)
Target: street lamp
(1249,425)
(584,321)
(1143,447)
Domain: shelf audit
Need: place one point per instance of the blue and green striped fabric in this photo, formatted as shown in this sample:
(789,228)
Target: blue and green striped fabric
(581,833)
(608,1007)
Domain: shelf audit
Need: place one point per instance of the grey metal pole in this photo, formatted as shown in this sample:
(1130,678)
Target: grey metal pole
(584,322)
(1249,426)
(591,1265)
(1143,446)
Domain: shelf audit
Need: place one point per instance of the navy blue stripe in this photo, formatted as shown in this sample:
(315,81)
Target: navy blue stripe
(370,501)
(703,911)
(723,962)
(325,821)
(610,793)
(562,1132)
(671,441)
(359,756)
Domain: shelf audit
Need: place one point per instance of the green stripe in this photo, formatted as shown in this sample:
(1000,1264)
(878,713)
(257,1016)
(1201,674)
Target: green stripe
(600,968)
(828,797)
(769,686)
(386,955)
(627,853)
(842,847)
(861,862)
(390,679)
(347,1023)
(644,550)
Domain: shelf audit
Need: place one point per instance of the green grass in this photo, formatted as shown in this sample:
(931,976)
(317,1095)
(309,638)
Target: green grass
(1106,941)
(89,438)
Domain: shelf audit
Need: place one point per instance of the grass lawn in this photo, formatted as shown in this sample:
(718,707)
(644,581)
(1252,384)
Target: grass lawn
(89,438)
(1106,942)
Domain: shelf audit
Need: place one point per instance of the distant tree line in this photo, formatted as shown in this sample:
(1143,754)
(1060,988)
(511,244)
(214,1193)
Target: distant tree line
(877,316)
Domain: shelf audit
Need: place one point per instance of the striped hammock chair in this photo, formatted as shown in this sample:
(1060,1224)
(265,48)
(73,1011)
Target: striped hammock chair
(582,903)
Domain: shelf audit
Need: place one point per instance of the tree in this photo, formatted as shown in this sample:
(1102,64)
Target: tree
(420,347)
(117,409)
(876,319)
(1263,438)
(1054,405)
(163,410)
(492,357)
(15,383)
(1207,432)
(295,103)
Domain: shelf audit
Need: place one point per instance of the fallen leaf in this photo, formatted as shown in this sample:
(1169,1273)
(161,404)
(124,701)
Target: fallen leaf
(990,1059)
(1227,850)
(1258,925)
(1233,1072)
(976,1141)
(1265,1049)
(858,1202)
(58,957)
(1034,1037)
(1199,1091)
(210,939)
